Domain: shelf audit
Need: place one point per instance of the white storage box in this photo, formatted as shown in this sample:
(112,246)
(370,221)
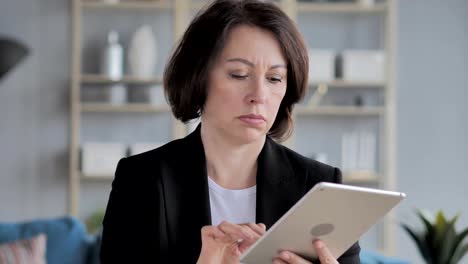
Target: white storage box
(141,147)
(100,159)
(363,65)
(321,65)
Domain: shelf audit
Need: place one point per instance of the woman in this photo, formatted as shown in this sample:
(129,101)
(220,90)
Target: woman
(240,66)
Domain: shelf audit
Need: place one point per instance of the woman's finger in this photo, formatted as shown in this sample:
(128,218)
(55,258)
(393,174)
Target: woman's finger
(235,231)
(278,261)
(212,231)
(254,236)
(291,258)
(257,228)
(324,254)
(262,226)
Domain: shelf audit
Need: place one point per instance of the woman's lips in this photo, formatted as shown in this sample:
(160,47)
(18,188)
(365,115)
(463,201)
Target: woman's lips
(253,119)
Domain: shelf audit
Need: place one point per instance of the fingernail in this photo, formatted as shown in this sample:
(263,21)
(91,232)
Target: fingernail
(284,255)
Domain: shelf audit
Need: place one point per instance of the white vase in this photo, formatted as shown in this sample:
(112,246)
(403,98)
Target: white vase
(142,53)
(112,57)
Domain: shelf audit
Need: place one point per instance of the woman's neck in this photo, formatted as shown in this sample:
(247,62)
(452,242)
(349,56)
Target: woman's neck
(229,164)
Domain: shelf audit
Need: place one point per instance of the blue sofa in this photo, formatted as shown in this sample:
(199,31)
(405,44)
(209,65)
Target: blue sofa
(67,239)
(69,243)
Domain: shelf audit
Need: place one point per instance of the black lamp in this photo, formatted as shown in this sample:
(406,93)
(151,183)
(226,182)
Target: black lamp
(11,53)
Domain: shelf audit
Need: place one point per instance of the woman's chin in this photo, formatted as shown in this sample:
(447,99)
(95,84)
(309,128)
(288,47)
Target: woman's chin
(250,135)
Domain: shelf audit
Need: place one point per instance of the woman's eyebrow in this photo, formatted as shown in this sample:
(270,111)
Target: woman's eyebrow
(252,65)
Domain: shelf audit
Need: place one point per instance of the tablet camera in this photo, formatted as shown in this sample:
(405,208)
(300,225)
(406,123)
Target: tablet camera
(322,229)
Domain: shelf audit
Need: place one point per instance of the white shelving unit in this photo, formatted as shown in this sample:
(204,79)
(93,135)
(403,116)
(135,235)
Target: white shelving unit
(78,79)
(181,11)
(386,114)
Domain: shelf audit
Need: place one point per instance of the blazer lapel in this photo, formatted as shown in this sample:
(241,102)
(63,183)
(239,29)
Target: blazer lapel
(277,187)
(187,198)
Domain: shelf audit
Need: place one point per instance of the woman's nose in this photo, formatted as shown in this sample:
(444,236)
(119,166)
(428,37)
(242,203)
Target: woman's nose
(258,92)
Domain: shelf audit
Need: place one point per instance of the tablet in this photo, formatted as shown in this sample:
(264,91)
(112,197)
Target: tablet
(335,213)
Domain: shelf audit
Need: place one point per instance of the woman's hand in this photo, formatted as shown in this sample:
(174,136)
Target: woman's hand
(226,242)
(323,253)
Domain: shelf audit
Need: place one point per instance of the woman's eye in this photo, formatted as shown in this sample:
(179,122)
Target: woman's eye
(239,76)
(275,79)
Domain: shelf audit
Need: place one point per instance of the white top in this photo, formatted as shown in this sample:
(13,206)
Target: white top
(234,206)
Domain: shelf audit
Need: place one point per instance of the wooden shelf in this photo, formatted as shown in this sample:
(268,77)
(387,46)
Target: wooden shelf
(304,7)
(136,4)
(130,107)
(348,84)
(103,178)
(101,79)
(340,111)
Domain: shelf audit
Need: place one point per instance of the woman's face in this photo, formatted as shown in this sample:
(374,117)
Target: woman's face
(246,85)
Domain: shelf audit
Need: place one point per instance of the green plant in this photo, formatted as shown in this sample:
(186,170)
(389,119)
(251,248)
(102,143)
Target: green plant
(94,221)
(438,242)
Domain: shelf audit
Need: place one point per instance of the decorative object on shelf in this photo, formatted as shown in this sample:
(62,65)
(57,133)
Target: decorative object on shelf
(11,53)
(141,147)
(363,65)
(358,152)
(142,52)
(321,65)
(438,242)
(317,96)
(100,159)
(112,57)
(358,100)
(112,67)
(339,65)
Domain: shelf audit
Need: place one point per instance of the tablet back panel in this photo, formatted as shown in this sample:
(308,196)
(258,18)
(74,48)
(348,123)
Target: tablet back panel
(335,213)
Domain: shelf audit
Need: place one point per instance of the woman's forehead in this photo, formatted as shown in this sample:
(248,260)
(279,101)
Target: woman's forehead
(253,45)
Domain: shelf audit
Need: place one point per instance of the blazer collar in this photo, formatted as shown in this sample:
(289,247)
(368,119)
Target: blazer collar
(277,188)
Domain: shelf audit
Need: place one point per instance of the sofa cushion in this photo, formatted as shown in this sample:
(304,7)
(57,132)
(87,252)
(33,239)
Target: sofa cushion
(67,239)
(29,251)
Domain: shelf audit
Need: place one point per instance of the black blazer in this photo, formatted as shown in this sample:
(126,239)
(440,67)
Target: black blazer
(160,200)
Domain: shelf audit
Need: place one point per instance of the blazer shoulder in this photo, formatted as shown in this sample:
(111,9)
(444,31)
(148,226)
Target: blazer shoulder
(148,165)
(164,152)
(315,170)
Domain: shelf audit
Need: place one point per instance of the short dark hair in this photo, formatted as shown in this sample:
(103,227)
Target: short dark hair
(186,73)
